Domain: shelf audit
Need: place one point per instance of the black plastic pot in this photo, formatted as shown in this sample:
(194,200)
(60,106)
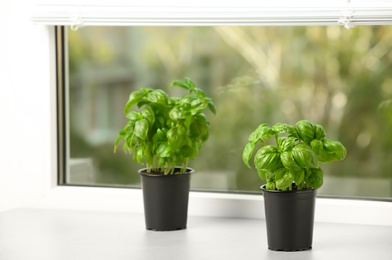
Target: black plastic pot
(165,200)
(290,218)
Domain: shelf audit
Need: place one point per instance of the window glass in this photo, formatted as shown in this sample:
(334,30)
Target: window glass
(329,75)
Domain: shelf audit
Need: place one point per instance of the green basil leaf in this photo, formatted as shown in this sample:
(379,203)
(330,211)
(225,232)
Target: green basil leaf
(187,99)
(289,162)
(173,101)
(335,147)
(128,128)
(199,92)
(305,131)
(138,156)
(148,114)
(164,150)
(270,175)
(195,144)
(181,84)
(119,138)
(189,82)
(263,131)
(280,128)
(267,158)
(130,142)
(211,105)
(314,178)
(161,121)
(158,96)
(141,129)
(317,146)
(176,136)
(247,153)
(198,106)
(325,157)
(287,143)
(262,174)
(178,113)
(159,136)
(283,179)
(299,176)
(186,151)
(199,127)
(304,156)
(319,132)
(270,185)
(134,116)
(135,97)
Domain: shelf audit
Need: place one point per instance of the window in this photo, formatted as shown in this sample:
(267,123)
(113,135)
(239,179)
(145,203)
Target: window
(40,170)
(327,74)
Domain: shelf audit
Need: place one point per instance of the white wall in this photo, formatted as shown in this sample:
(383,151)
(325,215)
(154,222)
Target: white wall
(25,109)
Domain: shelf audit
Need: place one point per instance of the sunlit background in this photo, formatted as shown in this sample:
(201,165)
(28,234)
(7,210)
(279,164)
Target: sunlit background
(339,78)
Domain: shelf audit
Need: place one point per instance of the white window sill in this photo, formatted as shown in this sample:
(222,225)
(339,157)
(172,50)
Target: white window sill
(66,234)
(212,205)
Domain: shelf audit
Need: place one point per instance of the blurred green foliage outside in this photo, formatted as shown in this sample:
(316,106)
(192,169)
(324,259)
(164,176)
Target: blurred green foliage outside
(339,78)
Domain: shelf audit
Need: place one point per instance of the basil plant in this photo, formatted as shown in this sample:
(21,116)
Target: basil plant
(294,160)
(163,132)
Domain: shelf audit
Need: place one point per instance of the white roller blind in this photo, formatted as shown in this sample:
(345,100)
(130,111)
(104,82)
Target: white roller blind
(202,12)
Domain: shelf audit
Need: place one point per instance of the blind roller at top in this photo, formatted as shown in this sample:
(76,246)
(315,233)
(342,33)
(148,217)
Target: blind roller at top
(245,12)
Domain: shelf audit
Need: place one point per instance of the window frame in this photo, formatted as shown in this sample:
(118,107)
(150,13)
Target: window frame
(47,193)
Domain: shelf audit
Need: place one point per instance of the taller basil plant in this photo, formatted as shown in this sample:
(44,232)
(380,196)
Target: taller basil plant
(165,132)
(294,160)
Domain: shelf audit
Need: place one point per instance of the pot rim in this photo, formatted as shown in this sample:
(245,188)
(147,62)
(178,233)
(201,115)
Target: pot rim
(188,171)
(286,191)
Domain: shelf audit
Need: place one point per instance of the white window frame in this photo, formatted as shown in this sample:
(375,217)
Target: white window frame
(43,191)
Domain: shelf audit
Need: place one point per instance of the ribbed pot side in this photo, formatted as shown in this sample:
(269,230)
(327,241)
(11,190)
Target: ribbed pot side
(165,200)
(289,218)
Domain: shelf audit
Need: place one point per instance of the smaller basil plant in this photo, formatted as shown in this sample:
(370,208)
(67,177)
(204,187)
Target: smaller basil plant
(294,160)
(164,132)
